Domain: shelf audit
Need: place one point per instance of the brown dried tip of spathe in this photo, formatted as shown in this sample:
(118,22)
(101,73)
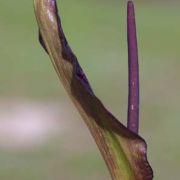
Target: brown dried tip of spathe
(100,121)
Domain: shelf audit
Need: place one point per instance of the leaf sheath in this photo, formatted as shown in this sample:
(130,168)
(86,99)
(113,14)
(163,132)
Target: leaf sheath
(123,151)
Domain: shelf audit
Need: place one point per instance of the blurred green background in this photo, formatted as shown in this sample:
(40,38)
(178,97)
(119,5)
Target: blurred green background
(42,137)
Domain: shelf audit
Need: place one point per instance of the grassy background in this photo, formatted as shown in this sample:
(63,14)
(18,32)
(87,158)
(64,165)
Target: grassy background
(96,31)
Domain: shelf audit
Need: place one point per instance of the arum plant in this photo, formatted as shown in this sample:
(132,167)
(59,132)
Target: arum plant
(123,150)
